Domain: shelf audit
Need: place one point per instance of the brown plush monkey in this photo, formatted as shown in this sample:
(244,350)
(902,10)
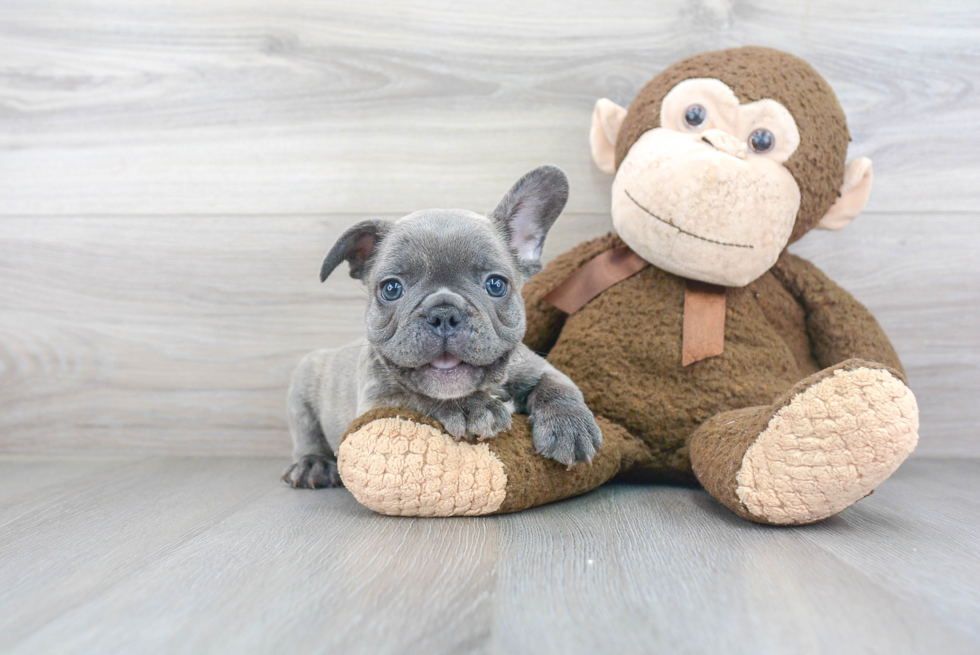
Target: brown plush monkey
(705,347)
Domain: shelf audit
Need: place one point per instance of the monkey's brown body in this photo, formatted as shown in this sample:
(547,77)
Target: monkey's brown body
(623,348)
(721,161)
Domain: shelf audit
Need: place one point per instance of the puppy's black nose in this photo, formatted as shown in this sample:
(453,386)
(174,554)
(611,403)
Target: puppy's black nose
(444,319)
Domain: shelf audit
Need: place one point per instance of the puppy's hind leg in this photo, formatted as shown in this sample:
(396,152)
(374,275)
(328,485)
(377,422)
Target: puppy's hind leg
(314,464)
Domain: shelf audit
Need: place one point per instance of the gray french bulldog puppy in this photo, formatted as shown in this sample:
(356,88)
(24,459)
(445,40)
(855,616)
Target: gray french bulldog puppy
(445,321)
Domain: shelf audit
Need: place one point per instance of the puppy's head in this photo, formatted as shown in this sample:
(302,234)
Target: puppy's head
(445,309)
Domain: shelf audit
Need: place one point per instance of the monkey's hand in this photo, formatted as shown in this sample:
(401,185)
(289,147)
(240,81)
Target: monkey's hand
(840,328)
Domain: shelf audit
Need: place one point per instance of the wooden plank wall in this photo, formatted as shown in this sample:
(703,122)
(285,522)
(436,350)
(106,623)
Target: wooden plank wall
(172,172)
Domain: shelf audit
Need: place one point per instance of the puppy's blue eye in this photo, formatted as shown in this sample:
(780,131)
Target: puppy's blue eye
(496,286)
(392,290)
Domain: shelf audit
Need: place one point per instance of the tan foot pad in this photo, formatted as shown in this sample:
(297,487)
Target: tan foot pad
(400,467)
(829,447)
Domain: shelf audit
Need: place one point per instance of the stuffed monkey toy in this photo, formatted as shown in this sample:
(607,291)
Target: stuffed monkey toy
(705,349)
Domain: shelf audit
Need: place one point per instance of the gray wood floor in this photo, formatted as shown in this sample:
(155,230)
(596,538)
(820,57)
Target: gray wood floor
(190,555)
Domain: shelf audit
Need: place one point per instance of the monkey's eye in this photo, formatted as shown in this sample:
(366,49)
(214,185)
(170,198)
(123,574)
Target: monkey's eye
(392,290)
(762,140)
(496,286)
(695,116)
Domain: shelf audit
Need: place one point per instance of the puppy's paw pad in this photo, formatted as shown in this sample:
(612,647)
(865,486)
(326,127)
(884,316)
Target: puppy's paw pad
(312,472)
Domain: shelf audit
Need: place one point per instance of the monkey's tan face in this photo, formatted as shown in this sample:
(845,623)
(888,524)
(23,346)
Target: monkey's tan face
(706,196)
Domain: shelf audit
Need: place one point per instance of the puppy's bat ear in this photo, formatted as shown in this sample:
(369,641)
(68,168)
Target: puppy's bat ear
(528,210)
(356,246)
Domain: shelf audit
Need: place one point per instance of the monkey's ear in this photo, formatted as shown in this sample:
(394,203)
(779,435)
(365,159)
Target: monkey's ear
(853,195)
(526,213)
(356,246)
(607,118)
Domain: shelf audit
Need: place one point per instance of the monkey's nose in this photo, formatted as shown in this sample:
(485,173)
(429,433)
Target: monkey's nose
(444,319)
(725,142)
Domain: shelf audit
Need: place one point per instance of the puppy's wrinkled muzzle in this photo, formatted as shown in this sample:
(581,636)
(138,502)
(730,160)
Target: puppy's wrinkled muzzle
(443,320)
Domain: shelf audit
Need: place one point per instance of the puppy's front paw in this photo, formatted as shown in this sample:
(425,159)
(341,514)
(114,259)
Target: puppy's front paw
(486,417)
(312,472)
(480,416)
(453,419)
(566,434)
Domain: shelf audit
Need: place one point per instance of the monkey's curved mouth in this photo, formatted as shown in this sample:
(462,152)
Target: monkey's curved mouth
(682,230)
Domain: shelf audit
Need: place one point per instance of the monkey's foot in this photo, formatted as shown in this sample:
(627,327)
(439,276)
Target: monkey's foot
(402,463)
(823,446)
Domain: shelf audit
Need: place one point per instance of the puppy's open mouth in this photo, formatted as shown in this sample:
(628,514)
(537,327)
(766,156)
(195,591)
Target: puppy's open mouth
(450,376)
(445,362)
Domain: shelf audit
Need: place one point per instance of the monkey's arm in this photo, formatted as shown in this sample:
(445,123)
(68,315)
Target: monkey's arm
(544,321)
(838,325)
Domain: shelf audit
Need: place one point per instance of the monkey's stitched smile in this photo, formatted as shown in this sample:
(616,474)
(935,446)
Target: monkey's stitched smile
(682,230)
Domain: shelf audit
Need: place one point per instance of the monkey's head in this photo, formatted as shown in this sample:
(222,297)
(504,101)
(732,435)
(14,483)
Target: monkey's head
(724,159)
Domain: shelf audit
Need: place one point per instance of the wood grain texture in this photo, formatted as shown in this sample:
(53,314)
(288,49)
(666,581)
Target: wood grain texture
(98,542)
(899,548)
(662,561)
(144,335)
(216,555)
(242,107)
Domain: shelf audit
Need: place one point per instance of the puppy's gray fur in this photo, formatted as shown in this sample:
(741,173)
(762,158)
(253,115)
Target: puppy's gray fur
(442,259)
